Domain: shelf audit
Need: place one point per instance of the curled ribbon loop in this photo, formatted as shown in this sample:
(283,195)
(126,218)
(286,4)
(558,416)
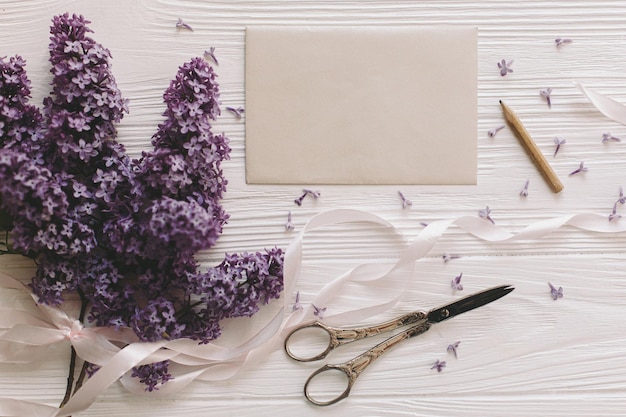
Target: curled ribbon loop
(117,352)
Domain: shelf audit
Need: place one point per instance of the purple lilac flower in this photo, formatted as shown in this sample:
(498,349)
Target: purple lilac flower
(558,142)
(505,67)
(494,131)
(581,168)
(238,112)
(124,233)
(524,191)
(614,215)
(486,214)
(405,201)
(562,41)
(622,198)
(439,365)
(319,311)
(289,224)
(608,137)
(210,53)
(453,348)
(181,24)
(448,257)
(153,375)
(456,282)
(306,192)
(555,293)
(296,305)
(545,93)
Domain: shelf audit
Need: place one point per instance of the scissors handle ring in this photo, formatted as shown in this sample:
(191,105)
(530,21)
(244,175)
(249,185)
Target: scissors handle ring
(332,342)
(346,369)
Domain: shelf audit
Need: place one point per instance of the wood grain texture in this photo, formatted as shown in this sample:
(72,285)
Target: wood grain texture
(526,355)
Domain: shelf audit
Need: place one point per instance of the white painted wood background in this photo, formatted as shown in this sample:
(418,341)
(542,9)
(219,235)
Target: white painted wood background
(525,355)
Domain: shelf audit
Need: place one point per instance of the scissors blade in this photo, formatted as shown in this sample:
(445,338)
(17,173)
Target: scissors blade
(468,303)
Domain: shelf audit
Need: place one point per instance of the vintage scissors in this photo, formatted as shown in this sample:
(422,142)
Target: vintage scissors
(420,321)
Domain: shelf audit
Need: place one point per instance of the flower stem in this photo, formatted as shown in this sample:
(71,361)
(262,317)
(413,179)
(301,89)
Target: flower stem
(73,358)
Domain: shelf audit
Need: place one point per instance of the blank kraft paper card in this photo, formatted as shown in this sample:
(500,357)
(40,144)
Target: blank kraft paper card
(361,105)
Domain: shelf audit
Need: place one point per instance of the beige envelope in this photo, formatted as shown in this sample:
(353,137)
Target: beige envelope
(361,105)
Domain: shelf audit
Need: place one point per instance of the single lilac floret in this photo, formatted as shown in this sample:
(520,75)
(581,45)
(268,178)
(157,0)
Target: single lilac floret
(545,93)
(453,348)
(494,131)
(319,311)
(614,215)
(562,41)
(210,53)
(439,365)
(555,293)
(181,24)
(505,67)
(581,168)
(558,142)
(524,191)
(456,282)
(622,198)
(238,112)
(289,224)
(405,201)
(296,305)
(448,257)
(306,192)
(486,214)
(608,137)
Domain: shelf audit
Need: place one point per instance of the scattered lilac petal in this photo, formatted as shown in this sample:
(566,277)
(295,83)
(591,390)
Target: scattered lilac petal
(424,224)
(453,347)
(306,192)
(524,191)
(492,132)
(561,41)
(319,311)
(456,283)
(296,305)
(558,142)
(614,215)
(447,258)
(238,112)
(405,201)
(581,168)
(545,93)
(505,67)
(289,224)
(621,199)
(486,214)
(210,53)
(439,365)
(608,137)
(182,25)
(555,293)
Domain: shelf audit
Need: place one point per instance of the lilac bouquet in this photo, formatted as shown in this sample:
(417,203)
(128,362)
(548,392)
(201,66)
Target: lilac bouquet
(123,233)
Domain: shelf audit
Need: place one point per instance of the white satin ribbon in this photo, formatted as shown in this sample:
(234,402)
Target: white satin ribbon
(212,362)
(606,105)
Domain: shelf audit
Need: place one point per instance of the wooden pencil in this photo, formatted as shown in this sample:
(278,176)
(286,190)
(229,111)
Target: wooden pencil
(531,149)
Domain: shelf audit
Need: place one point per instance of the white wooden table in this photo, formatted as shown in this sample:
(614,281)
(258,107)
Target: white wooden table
(526,355)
